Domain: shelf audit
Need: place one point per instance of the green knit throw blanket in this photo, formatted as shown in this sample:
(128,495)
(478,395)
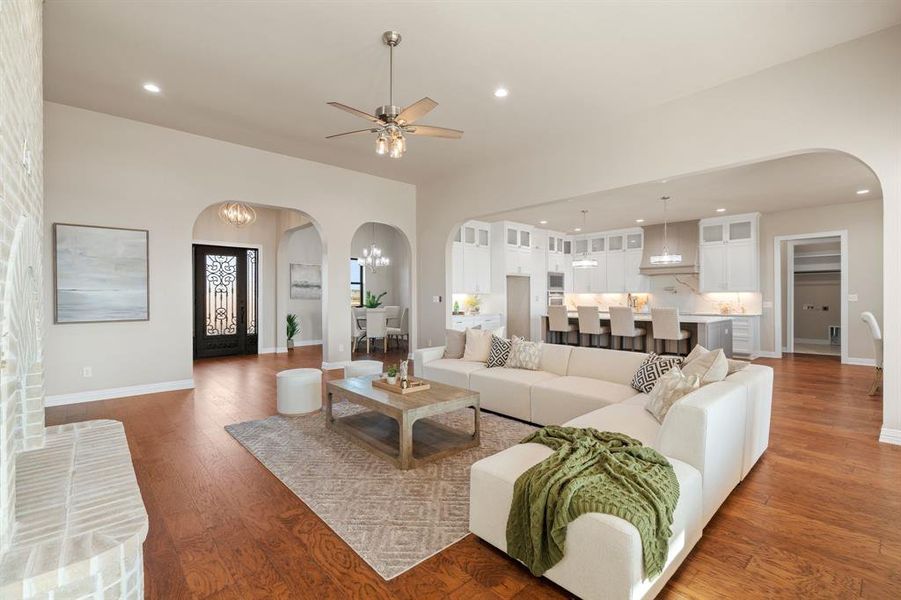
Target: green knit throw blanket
(590,471)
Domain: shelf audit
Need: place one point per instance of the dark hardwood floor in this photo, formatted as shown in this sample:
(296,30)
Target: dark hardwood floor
(818,517)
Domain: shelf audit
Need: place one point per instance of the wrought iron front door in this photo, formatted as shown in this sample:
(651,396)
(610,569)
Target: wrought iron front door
(225,300)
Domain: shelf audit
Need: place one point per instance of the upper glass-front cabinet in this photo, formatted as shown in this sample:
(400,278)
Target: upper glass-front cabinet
(740,230)
(712,234)
(458,236)
(722,230)
(614,243)
(483,236)
(597,244)
(525,239)
(634,241)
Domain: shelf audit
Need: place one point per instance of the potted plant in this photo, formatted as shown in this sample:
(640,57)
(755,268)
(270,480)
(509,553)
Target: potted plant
(392,374)
(293,328)
(373,301)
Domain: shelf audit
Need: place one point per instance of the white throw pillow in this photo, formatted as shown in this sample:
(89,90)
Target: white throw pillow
(709,365)
(524,354)
(478,345)
(673,385)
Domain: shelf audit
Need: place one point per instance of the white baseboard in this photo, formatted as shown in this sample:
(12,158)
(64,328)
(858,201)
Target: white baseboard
(814,341)
(767,354)
(863,362)
(281,349)
(120,392)
(890,436)
(331,366)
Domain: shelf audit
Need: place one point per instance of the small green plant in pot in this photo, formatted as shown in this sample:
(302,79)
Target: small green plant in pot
(373,301)
(392,374)
(292,329)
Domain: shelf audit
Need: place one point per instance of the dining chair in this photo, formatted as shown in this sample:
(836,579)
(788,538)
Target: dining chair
(358,325)
(665,327)
(376,328)
(876,333)
(622,327)
(558,324)
(392,314)
(590,325)
(402,332)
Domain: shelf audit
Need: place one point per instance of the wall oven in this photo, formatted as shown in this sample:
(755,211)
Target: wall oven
(555,282)
(555,299)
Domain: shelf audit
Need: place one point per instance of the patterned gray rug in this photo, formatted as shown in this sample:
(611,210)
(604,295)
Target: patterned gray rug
(393,519)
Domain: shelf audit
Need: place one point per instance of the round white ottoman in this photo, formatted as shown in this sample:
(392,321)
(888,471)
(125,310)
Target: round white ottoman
(299,391)
(358,368)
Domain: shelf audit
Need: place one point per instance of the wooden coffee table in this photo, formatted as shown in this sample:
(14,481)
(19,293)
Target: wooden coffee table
(396,426)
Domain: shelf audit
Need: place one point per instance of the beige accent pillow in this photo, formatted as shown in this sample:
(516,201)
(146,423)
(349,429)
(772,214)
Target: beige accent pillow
(736,365)
(674,384)
(454,343)
(708,365)
(524,354)
(478,345)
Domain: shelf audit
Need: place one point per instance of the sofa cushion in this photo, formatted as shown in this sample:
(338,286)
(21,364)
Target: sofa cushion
(610,365)
(669,388)
(629,417)
(507,390)
(709,365)
(651,370)
(555,358)
(451,371)
(454,343)
(558,400)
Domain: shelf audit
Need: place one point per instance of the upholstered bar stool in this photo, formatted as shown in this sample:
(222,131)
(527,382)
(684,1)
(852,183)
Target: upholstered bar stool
(558,324)
(665,327)
(590,325)
(622,327)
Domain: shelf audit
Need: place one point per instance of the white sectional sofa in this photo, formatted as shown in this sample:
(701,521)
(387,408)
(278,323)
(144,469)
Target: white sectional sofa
(712,437)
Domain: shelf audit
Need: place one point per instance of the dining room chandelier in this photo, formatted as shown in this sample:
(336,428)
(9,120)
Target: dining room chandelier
(237,214)
(373,258)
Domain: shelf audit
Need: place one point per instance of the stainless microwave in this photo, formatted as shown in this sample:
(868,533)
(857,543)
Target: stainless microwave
(556,299)
(555,282)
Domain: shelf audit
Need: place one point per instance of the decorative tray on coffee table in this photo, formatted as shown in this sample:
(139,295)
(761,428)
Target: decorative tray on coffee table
(414,385)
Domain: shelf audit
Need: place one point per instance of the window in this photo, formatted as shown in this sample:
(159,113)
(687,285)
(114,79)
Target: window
(356,282)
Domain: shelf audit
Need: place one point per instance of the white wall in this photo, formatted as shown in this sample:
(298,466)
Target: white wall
(303,247)
(104,170)
(844,98)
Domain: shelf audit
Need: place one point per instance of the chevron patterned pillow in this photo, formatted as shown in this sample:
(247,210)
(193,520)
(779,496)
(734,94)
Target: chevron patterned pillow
(500,350)
(652,369)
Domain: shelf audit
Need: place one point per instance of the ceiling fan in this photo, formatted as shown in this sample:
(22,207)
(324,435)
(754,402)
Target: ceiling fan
(392,123)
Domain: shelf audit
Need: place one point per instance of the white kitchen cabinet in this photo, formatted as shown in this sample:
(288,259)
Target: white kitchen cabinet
(581,281)
(476,270)
(635,281)
(518,261)
(616,271)
(568,274)
(713,268)
(471,259)
(730,255)
(597,277)
(746,336)
(486,322)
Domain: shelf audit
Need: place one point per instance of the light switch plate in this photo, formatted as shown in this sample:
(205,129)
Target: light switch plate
(436,299)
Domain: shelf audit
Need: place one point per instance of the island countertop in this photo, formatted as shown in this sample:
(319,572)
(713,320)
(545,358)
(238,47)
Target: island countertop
(646,317)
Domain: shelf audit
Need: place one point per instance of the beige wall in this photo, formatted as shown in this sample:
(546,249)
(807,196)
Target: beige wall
(844,98)
(105,170)
(863,222)
(822,292)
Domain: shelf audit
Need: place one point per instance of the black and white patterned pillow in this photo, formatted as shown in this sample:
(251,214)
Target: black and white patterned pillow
(500,350)
(652,369)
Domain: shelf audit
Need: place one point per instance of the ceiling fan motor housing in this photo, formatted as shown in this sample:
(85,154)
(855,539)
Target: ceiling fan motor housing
(388,112)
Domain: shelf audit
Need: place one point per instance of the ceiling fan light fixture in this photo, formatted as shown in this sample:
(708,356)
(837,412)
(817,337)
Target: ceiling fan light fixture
(381,144)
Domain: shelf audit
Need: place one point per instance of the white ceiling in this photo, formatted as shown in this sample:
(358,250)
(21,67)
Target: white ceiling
(260,73)
(802,181)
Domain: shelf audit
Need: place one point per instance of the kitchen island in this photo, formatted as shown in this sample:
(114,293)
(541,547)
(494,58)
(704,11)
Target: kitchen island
(710,331)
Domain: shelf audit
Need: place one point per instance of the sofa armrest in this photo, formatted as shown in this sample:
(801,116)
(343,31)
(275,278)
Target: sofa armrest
(425,355)
(706,429)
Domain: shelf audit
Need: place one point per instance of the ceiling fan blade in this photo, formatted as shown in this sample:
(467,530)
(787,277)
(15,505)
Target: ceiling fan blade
(356,112)
(417,110)
(328,137)
(428,130)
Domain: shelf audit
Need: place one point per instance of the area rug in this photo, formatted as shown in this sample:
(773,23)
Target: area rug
(393,519)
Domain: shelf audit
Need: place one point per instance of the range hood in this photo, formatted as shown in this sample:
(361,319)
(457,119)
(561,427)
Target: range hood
(682,238)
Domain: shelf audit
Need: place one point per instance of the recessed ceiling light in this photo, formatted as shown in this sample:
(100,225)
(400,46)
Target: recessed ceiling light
(721,210)
(862,192)
(639,220)
(664,180)
(501,92)
(577,229)
(542,222)
(152,88)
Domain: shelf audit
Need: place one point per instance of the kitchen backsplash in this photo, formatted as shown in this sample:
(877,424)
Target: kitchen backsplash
(676,291)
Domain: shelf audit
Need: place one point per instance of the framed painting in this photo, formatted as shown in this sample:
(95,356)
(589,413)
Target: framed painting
(306,282)
(101,274)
